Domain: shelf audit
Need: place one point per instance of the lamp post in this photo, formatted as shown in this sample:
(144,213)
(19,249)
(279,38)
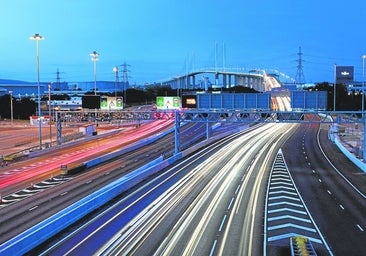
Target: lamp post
(37,38)
(115,70)
(363,82)
(334,87)
(49,112)
(94,57)
(11,107)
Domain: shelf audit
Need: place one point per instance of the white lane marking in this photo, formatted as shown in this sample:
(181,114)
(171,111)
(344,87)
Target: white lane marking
(222,223)
(33,208)
(213,248)
(360,228)
(231,202)
(286,225)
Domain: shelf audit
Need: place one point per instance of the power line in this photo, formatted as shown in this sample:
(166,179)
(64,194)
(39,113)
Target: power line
(300,78)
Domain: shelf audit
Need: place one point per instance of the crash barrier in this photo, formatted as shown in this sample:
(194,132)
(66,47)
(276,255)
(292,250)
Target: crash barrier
(338,142)
(348,154)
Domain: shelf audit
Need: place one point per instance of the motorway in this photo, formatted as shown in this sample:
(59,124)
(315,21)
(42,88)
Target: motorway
(19,175)
(22,214)
(213,203)
(333,188)
(17,216)
(193,208)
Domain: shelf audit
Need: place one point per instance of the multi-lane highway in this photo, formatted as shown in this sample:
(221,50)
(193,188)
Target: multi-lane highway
(213,202)
(196,207)
(30,208)
(21,209)
(332,187)
(20,175)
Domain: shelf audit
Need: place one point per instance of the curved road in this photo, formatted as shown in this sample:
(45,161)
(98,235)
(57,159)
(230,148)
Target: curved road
(218,199)
(333,190)
(223,211)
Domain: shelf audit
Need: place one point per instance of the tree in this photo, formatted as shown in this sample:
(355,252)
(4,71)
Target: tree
(344,99)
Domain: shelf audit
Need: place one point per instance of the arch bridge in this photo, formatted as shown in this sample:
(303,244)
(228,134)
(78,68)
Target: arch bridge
(253,78)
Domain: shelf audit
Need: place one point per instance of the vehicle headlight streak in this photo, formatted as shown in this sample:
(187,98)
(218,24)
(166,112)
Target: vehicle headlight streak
(239,155)
(220,171)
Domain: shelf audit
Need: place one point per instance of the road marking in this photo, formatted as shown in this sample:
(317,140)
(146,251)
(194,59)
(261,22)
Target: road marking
(287,209)
(237,189)
(289,217)
(281,187)
(329,192)
(288,235)
(360,228)
(213,248)
(281,179)
(287,203)
(222,223)
(287,225)
(282,192)
(288,184)
(341,206)
(242,179)
(231,202)
(284,176)
(33,208)
(284,197)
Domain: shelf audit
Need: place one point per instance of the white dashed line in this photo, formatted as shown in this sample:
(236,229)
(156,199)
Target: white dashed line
(360,228)
(231,202)
(222,223)
(33,208)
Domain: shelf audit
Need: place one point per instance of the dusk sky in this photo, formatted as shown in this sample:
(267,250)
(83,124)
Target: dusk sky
(160,39)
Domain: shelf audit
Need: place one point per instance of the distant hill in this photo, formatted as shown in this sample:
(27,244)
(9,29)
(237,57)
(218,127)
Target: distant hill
(9,81)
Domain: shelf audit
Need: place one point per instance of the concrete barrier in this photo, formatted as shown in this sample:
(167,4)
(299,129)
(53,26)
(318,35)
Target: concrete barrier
(348,154)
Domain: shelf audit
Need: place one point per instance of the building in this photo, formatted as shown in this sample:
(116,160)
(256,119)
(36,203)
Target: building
(30,89)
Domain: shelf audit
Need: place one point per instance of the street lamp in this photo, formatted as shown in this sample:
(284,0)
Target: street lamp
(363,82)
(94,57)
(334,87)
(49,112)
(115,70)
(37,38)
(11,107)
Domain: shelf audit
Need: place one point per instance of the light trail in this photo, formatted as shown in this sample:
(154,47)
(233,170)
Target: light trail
(232,171)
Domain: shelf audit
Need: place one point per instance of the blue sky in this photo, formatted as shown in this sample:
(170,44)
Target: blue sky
(164,38)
